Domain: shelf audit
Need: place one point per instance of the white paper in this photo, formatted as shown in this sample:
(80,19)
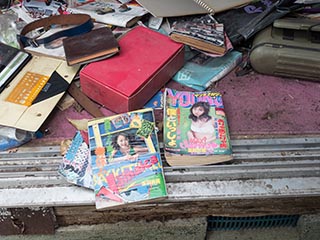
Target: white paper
(116,18)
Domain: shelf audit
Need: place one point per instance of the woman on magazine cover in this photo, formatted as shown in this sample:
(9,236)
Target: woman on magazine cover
(202,124)
(123,149)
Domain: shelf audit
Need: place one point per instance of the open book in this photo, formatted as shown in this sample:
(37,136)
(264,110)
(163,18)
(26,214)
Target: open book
(195,128)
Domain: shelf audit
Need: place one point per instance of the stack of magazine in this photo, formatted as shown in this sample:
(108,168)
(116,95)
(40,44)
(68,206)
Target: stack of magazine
(118,157)
(121,161)
(203,33)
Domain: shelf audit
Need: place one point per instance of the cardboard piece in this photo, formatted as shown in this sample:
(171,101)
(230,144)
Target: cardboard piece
(125,82)
(30,118)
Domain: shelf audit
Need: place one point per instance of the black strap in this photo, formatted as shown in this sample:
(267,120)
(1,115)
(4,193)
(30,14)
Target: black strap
(82,22)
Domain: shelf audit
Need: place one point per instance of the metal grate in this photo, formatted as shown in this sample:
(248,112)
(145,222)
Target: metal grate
(237,223)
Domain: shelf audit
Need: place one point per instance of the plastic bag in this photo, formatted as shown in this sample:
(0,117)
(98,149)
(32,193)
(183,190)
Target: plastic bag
(242,23)
(12,137)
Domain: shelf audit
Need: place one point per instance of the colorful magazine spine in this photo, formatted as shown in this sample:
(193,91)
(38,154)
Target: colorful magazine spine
(76,164)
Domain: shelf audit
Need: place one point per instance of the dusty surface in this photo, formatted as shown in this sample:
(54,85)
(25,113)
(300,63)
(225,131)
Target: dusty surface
(255,105)
(259,104)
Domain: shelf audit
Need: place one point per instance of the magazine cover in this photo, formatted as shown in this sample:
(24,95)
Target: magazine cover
(201,70)
(75,165)
(195,128)
(125,157)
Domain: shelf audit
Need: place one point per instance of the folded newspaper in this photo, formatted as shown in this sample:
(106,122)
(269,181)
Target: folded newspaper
(116,14)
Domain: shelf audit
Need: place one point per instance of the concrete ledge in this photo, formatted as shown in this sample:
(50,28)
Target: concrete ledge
(280,233)
(309,227)
(186,229)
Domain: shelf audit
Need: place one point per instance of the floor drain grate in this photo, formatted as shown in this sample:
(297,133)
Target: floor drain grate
(237,223)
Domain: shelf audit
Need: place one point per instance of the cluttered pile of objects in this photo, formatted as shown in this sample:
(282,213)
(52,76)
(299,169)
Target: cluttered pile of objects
(120,55)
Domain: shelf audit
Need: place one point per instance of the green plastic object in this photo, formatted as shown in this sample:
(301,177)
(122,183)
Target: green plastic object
(289,48)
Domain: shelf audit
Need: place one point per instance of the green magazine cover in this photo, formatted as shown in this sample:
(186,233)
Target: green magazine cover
(125,157)
(195,125)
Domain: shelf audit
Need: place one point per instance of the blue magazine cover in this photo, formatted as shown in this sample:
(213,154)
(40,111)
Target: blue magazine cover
(76,163)
(200,70)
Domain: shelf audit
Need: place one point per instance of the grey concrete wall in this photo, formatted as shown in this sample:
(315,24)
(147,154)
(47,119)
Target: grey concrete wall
(186,229)
(308,228)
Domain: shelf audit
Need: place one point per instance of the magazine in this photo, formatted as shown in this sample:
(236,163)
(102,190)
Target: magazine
(195,128)
(76,165)
(126,162)
(203,33)
(201,70)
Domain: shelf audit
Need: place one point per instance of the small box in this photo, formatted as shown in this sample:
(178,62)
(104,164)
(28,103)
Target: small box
(125,82)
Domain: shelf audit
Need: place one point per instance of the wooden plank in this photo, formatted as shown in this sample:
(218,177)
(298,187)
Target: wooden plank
(165,211)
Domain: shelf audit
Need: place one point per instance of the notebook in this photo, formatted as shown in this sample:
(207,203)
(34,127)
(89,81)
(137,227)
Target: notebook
(173,8)
(214,6)
(11,62)
(95,45)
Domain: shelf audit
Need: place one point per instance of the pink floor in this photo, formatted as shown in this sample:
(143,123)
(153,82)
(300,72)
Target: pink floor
(255,105)
(259,104)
